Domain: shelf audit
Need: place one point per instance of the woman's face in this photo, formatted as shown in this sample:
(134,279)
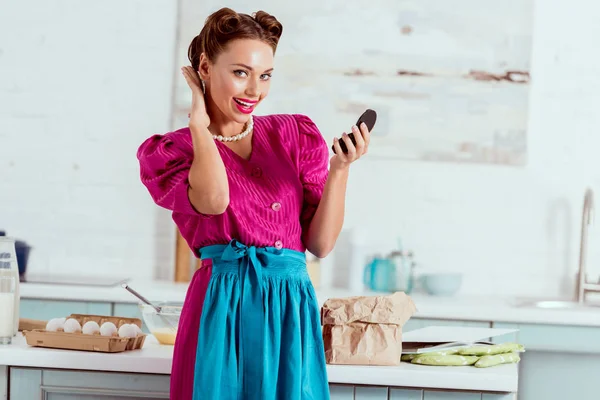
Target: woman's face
(239,79)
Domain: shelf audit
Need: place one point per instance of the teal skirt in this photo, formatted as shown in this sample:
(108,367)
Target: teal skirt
(259,333)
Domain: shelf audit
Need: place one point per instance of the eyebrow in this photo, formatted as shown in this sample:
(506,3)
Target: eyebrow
(250,68)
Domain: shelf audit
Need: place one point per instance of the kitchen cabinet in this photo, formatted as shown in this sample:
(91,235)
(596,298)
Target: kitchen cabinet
(560,362)
(341,392)
(3,382)
(348,392)
(406,394)
(434,395)
(51,384)
(48,309)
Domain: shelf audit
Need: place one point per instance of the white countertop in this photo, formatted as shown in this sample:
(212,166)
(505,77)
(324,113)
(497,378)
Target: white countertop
(156,359)
(461,308)
(153,358)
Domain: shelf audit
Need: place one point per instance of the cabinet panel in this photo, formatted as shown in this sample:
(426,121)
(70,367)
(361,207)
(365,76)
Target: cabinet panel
(48,309)
(112,380)
(406,394)
(51,384)
(25,384)
(107,396)
(3,382)
(558,376)
(576,339)
(435,395)
(558,338)
(370,393)
(341,392)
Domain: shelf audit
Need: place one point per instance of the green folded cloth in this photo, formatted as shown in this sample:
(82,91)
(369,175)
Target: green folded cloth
(410,357)
(497,359)
(447,360)
(482,350)
(481,356)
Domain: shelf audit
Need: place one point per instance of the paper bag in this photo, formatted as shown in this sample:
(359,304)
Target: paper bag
(365,330)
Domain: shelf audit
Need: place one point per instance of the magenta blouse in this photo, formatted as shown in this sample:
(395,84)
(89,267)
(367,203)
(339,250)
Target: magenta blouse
(272,196)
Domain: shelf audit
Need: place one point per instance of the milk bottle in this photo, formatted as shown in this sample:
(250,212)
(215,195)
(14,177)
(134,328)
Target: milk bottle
(7,308)
(9,267)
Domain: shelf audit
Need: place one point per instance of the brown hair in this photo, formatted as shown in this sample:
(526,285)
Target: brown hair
(225,25)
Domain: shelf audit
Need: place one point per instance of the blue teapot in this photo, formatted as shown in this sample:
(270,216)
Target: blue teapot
(380,275)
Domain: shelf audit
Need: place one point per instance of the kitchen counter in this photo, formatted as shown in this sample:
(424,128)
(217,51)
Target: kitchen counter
(154,358)
(458,307)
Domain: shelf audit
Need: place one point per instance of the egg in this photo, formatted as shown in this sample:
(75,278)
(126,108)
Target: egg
(55,324)
(108,329)
(137,329)
(90,328)
(127,330)
(72,326)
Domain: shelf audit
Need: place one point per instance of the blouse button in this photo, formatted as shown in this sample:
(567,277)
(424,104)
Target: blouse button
(256,172)
(276,206)
(278,245)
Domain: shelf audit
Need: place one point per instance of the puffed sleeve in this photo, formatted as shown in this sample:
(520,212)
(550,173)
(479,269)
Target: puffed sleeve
(165,162)
(313,163)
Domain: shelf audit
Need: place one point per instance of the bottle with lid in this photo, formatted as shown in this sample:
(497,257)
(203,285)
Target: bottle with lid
(9,267)
(358,259)
(403,261)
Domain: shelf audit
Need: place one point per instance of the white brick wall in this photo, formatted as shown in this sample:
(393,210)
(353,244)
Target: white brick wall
(82,84)
(513,231)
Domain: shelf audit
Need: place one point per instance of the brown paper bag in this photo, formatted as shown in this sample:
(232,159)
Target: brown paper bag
(365,330)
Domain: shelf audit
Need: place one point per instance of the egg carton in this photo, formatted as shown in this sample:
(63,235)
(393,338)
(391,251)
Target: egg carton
(80,341)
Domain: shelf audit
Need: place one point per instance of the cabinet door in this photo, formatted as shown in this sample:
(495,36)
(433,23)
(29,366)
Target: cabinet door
(341,392)
(560,361)
(3,382)
(406,394)
(25,384)
(370,393)
(70,385)
(48,309)
(439,395)
(96,394)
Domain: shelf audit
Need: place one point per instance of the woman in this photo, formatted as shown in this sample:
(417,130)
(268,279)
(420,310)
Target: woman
(250,195)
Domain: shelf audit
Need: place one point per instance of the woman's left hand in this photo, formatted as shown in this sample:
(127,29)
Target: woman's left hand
(362,137)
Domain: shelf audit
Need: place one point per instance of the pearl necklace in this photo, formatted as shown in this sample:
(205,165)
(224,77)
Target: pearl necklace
(237,137)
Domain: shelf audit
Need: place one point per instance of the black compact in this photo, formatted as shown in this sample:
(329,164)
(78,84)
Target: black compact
(369,117)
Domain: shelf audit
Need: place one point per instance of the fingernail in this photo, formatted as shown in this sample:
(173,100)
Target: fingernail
(354,128)
(363,125)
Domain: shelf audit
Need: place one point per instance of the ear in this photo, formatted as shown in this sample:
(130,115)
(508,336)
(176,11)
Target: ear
(204,67)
